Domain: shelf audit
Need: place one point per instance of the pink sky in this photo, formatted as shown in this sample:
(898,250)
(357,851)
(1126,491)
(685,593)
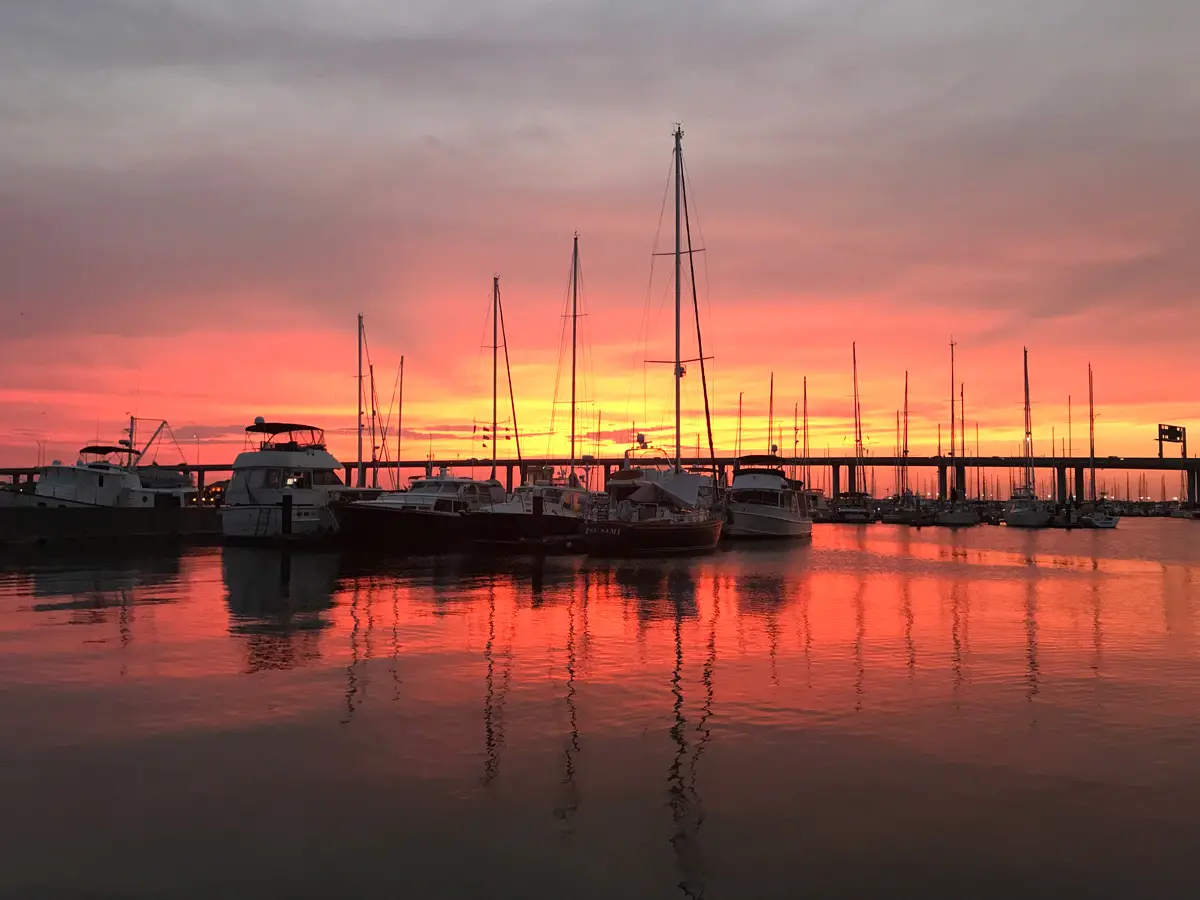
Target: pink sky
(199,199)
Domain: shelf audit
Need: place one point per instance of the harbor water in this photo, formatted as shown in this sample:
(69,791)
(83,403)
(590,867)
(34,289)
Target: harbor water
(878,712)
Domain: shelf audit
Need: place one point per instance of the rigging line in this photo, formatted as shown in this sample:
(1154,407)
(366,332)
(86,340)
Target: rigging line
(696,307)
(703,257)
(558,372)
(643,328)
(511,396)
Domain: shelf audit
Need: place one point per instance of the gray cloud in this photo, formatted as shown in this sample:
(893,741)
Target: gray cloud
(240,160)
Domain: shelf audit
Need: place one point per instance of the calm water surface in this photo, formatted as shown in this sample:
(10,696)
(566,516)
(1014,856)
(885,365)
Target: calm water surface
(974,713)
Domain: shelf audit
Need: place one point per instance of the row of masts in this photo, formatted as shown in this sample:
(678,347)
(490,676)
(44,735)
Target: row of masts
(683,248)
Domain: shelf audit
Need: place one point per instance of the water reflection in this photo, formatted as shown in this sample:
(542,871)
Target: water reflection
(1032,673)
(569,800)
(277,602)
(535,709)
(687,811)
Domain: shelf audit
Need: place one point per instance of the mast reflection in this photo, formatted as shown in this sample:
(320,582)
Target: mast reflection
(860,631)
(565,810)
(686,810)
(1032,675)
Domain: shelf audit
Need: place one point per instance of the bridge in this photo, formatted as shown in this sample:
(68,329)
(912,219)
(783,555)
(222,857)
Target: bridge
(1069,472)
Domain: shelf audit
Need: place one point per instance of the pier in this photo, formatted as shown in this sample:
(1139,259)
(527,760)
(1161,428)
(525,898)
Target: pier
(1069,473)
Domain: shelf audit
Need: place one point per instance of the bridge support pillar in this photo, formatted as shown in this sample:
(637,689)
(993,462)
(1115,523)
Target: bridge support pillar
(607,473)
(960,480)
(508,473)
(1079,492)
(200,481)
(1060,484)
(349,476)
(836,481)
(941,472)
(1193,486)
(852,480)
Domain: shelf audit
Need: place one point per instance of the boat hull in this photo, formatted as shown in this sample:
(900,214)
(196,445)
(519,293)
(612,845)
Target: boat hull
(744,523)
(651,538)
(853,516)
(1028,518)
(957,518)
(401,530)
(264,523)
(526,532)
(28,525)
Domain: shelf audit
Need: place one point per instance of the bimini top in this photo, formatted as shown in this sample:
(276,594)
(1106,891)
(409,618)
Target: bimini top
(760,461)
(105,450)
(287,435)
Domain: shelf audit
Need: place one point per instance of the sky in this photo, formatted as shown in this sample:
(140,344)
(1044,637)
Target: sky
(197,197)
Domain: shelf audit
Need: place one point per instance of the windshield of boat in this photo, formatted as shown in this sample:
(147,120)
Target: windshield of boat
(435,487)
(760,497)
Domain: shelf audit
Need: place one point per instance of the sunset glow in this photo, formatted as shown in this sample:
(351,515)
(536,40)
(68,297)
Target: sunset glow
(189,233)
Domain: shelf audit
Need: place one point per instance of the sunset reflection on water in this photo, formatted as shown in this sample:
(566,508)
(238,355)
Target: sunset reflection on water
(862,708)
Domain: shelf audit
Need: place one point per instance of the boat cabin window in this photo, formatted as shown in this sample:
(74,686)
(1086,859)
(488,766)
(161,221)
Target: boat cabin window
(325,477)
(299,480)
(760,498)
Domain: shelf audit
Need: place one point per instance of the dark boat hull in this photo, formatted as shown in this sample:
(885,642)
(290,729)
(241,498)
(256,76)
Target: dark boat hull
(401,531)
(526,532)
(651,538)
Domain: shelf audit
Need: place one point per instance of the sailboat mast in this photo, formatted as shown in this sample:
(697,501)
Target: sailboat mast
(857,422)
(678,289)
(495,361)
(807,468)
(795,435)
(771,414)
(962,420)
(1028,428)
(1091,434)
(574,336)
(904,445)
(399,423)
(737,440)
(361,478)
(952,386)
(512,397)
(374,445)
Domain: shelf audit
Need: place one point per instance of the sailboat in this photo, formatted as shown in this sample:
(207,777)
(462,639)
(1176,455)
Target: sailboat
(855,507)
(432,514)
(664,514)
(1025,510)
(548,513)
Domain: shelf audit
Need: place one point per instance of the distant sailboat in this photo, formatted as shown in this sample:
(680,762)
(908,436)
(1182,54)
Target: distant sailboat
(1025,510)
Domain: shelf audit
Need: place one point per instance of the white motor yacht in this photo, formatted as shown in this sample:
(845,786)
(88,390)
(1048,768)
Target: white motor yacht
(282,489)
(763,503)
(105,475)
(431,515)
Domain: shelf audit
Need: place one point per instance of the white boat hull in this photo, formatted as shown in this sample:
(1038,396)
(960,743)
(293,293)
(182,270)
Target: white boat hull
(853,516)
(959,518)
(748,522)
(265,522)
(1100,521)
(1027,518)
